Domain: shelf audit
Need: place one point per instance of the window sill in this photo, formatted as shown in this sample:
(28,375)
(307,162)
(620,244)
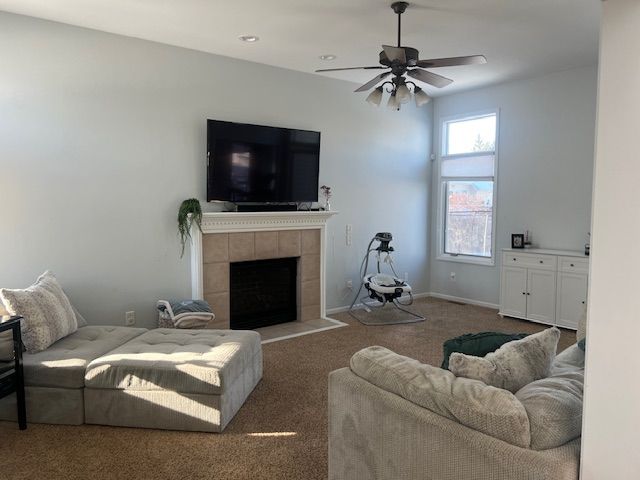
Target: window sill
(487,262)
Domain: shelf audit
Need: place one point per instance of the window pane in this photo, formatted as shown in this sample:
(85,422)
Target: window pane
(472,166)
(472,135)
(469,218)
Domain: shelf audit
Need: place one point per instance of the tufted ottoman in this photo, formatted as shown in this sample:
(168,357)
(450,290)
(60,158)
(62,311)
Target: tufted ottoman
(174,379)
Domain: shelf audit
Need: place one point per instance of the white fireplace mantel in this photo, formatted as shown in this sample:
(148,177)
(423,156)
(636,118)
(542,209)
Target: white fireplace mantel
(226,222)
(230,222)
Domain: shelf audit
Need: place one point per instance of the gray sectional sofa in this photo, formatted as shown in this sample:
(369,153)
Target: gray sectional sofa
(448,429)
(163,378)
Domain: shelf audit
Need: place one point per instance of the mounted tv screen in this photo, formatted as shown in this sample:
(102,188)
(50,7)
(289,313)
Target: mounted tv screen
(258,164)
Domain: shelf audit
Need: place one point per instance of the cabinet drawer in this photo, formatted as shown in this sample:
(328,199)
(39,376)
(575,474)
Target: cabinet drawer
(527,260)
(573,264)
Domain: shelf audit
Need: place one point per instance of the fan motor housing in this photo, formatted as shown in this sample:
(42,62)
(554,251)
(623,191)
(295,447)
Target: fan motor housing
(410,53)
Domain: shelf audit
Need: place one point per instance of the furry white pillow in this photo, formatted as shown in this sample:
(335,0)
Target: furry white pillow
(514,364)
(48,315)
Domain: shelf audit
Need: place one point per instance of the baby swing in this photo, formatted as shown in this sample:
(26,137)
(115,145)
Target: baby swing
(382,287)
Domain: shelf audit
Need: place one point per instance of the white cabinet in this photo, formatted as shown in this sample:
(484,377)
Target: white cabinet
(545,286)
(573,283)
(541,295)
(514,292)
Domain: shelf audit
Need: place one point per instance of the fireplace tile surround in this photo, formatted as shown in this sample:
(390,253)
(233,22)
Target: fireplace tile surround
(229,237)
(241,247)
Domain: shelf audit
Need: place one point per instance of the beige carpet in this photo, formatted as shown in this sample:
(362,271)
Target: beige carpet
(280,433)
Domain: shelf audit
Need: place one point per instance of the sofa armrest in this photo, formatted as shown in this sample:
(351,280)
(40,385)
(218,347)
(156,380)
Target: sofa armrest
(377,434)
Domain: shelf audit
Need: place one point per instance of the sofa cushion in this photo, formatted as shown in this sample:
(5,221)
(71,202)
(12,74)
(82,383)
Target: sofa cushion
(188,361)
(571,359)
(63,364)
(487,409)
(554,406)
(48,315)
(476,344)
(513,365)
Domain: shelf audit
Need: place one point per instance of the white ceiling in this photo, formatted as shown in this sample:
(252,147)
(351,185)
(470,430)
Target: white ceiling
(520,38)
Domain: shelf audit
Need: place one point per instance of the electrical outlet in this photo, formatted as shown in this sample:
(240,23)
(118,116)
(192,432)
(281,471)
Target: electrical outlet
(453,276)
(349,284)
(348,234)
(130,318)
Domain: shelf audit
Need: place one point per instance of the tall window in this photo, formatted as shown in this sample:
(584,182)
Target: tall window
(468,187)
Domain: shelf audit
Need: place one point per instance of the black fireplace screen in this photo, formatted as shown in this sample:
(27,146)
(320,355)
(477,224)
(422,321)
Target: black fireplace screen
(263,292)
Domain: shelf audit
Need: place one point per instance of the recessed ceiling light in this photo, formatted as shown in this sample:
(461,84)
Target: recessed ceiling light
(249,38)
(327,57)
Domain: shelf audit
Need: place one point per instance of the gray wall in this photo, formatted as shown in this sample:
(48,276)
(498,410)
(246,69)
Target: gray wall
(545,170)
(102,136)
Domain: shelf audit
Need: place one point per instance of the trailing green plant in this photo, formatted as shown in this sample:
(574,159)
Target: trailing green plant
(190,212)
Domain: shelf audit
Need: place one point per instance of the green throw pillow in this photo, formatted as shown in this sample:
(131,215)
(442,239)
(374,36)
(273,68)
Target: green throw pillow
(477,344)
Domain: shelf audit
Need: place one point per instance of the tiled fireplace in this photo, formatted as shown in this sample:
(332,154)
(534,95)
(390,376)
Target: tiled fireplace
(241,242)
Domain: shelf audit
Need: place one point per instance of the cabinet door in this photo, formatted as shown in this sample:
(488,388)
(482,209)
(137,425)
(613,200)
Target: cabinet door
(541,295)
(572,298)
(513,292)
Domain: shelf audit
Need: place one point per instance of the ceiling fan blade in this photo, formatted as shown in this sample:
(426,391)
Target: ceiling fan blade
(373,82)
(395,53)
(452,62)
(377,67)
(430,78)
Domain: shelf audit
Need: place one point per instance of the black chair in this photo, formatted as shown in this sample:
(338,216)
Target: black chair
(11,374)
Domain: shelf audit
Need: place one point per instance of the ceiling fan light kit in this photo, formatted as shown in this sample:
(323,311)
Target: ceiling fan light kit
(421,97)
(375,97)
(392,103)
(400,61)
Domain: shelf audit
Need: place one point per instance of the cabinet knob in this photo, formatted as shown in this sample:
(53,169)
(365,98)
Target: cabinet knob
(514,259)
(572,265)
(524,293)
(528,293)
(583,302)
(541,261)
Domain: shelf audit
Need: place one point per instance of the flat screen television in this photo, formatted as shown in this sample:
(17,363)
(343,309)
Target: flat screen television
(259,164)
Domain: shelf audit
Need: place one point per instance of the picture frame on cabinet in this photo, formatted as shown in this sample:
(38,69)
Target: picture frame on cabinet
(517,240)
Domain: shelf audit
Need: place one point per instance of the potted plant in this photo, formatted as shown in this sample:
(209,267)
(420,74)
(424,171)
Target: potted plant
(190,212)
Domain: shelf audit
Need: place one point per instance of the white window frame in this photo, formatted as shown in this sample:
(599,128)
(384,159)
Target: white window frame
(441,188)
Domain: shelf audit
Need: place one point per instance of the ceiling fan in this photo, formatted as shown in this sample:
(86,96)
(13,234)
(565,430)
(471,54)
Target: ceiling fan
(399,61)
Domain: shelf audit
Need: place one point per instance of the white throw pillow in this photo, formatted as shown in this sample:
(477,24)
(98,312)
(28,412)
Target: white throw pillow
(514,364)
(48,315)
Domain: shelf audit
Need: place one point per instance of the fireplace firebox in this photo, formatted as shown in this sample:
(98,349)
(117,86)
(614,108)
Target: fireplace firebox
(263,292)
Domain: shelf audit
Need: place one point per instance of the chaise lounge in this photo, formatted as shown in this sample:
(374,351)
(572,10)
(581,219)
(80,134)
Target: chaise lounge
(178,380)
(164,378)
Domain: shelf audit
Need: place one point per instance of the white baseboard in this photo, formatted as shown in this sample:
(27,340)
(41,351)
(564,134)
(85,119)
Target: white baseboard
(442,296)
(345,308)
(463,300)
